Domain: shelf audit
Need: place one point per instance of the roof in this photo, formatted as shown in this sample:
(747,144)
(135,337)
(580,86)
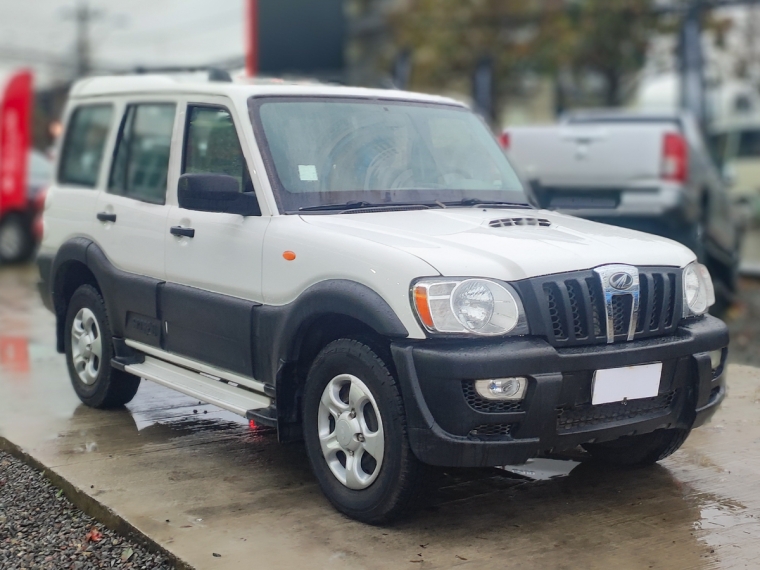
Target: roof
(103,86)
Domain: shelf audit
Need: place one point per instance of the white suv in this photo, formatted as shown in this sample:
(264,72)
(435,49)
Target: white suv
(362,270)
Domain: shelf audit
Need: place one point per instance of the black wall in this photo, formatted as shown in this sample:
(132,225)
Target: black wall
(301,37)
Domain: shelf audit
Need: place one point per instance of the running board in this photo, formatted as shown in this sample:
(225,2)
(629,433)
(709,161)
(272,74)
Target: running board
(210,390)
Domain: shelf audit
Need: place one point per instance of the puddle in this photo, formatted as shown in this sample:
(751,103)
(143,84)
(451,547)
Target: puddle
(543,469)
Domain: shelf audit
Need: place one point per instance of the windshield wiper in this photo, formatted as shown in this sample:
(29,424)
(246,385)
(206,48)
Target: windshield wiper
(495,203)
(346,206)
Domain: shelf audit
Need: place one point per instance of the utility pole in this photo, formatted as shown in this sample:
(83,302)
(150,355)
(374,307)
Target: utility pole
(83,16)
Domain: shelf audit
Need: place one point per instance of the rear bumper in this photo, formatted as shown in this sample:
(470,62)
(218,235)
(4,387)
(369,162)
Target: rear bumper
(667,203)
(444,424)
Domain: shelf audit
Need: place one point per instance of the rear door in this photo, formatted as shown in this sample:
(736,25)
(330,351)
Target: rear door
(130,216)
(132,211)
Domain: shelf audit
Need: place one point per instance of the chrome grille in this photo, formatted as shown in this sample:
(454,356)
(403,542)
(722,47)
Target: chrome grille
(573,311)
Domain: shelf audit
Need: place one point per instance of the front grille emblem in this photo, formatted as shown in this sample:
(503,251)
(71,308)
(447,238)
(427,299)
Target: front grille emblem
(618,281)
(622,281)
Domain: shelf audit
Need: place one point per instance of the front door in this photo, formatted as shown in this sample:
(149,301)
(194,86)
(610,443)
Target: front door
(213,279)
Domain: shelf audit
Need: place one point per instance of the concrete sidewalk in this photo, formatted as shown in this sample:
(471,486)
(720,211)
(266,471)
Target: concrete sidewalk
(199,481)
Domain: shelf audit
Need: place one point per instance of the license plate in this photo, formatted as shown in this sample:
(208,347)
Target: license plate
(629,383)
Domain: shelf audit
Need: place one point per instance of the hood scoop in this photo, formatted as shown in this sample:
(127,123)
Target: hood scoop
(519,222)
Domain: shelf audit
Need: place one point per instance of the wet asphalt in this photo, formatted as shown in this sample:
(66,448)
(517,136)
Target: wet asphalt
(218,494)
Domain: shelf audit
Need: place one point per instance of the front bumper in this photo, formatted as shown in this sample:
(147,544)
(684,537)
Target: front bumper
(446,428)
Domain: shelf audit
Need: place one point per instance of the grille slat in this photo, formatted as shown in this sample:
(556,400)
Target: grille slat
(574,311)
(572,315)
(666,292)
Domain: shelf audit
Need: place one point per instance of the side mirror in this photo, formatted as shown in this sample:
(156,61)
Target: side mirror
(215,193)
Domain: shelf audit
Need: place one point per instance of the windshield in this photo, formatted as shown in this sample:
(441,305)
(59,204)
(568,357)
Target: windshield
(330,151)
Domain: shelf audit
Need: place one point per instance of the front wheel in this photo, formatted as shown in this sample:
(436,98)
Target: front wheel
(355,434)
(638,450)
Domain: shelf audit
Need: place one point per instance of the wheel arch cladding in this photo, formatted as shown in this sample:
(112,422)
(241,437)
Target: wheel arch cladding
(69,271)
(79,261)
(324,312)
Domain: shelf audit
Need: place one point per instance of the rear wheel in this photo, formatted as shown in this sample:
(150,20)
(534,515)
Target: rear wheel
(89,349)
(639,450)
(355,433)
(16,241)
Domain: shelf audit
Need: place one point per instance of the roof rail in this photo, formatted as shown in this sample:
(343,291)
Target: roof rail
(214,73)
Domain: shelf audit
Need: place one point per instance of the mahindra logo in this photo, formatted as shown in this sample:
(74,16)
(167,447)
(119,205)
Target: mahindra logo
(621,281)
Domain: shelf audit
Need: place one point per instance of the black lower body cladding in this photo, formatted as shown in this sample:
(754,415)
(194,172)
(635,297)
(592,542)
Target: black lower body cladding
(447,428)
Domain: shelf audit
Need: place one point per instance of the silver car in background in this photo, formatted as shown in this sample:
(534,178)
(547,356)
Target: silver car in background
(650,172)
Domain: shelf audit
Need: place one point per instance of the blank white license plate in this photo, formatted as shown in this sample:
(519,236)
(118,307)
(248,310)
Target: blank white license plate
(629,383)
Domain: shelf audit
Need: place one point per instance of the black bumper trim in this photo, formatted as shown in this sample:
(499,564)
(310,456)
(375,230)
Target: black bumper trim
(439,418)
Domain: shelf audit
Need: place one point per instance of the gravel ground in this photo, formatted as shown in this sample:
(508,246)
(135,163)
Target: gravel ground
(41,529)
(744,323)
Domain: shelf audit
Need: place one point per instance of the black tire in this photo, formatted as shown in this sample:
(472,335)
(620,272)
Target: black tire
(111,388)
(639,450)
(399,485)
(16,240)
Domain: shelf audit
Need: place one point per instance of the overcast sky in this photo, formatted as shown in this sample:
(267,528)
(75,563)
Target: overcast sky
(125,33)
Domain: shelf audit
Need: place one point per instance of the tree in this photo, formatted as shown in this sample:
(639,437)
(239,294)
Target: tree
(449,37)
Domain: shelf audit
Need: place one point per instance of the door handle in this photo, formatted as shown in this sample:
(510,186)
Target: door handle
(106,217)
(180,231)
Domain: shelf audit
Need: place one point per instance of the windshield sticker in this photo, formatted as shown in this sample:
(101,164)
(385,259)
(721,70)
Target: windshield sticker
(307,172)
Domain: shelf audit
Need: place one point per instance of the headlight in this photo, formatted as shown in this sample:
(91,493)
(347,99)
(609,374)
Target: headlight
(468,306)
(698,291)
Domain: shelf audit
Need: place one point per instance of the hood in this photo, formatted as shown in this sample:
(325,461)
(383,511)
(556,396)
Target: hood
(503,243)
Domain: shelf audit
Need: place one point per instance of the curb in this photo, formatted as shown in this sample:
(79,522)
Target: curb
(92,507)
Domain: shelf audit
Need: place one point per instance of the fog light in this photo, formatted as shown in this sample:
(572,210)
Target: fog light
(716,357)
(502,388)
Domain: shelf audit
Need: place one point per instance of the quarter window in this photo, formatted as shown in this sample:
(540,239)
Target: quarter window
(83,147)
(141,161)
(212,146)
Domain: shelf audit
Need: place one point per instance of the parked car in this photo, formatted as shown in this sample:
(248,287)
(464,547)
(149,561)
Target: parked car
(19,235)
(650,172)
(736,147)
(362,270)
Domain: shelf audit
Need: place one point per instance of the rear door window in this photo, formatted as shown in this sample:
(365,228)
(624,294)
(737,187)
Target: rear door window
(84,145)
(141,162)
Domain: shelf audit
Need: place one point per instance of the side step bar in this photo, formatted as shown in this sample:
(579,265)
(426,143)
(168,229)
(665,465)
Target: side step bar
(214,391)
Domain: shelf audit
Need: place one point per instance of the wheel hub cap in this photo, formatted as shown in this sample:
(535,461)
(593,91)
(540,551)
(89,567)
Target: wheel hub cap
(346,432)
(351,432)
(86,346)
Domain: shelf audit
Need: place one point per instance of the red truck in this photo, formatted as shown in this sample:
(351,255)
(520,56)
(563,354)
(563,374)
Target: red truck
(23,172)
